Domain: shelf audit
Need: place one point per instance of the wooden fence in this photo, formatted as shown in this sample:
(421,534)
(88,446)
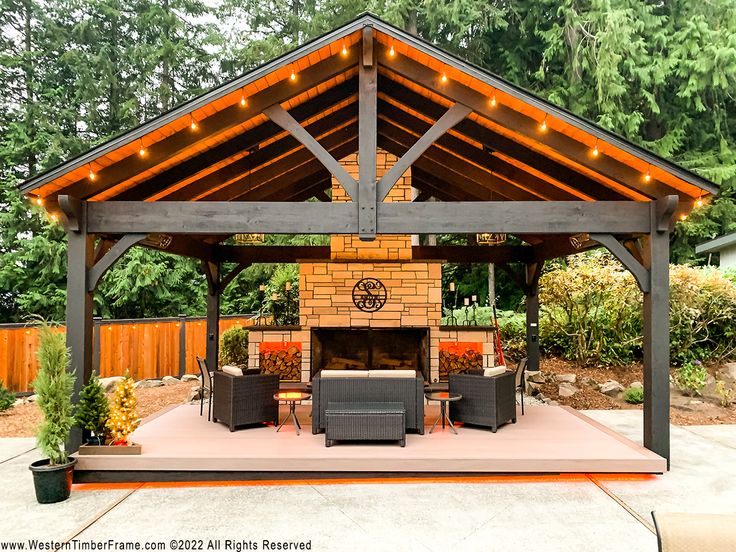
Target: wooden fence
(147,348)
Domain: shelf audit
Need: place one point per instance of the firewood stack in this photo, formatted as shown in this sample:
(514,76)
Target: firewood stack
(452,363)
(286,363)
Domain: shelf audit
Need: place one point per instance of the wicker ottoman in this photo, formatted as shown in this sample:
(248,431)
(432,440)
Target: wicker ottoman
(374,421)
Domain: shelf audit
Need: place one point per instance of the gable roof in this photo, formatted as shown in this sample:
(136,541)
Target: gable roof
(717,244)
(215,148)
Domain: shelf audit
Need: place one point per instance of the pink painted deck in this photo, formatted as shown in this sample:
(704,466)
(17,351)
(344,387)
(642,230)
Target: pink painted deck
(545,440)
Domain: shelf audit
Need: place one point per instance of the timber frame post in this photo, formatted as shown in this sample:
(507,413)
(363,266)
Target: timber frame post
(532,273)
(79,300)
(655,254)
(212,272)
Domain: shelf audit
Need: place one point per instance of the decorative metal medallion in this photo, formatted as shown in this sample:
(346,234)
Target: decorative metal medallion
(369,294)
(248,239)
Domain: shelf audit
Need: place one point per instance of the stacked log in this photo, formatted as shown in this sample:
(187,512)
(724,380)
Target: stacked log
(287,363)
(453,363)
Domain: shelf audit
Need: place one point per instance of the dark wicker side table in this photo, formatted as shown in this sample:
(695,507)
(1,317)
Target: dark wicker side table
(443,397)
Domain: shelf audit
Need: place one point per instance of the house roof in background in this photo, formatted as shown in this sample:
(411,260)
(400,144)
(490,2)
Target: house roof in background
(717,244)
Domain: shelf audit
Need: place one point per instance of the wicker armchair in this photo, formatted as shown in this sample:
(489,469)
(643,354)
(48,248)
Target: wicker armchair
(242,400)
(488,401)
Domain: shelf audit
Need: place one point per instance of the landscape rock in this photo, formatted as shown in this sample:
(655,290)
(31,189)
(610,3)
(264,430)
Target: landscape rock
(32,398)
(108,384)
(567,378)
(535,377)
(170,380)
(567,389)
(147,384)
(18,402)
(590,382)
(727,372)
(189,377)
(611,388)
(531,388)
(636,385)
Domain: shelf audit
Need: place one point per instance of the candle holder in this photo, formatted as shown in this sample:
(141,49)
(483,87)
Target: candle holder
(261,319)
(287,294)
(474,322)
(274,298)
(467,306)
(452,319)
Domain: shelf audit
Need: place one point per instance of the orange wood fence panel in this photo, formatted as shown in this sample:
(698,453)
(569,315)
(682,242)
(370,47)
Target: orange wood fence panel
(147,348)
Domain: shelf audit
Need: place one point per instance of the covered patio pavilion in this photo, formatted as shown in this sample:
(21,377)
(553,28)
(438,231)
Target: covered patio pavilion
(258,155)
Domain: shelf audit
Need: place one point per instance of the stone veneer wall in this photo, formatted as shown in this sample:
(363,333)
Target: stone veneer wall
(414,288)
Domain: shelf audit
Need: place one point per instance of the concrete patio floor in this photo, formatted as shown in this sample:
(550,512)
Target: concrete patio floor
(568,513)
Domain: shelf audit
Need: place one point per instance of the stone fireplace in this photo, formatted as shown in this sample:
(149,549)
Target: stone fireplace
(334,333)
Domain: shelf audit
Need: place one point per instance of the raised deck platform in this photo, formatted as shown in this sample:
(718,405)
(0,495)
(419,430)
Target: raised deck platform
(179,445)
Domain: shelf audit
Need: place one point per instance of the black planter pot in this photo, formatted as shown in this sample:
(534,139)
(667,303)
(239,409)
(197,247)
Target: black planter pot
(95,441)
(52,483)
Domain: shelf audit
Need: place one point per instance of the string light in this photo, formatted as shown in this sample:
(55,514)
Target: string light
(192,122)
(443,78)
(648,176)
(493,100)
(391,51)
(543,125)
(243,101)
(142,150)
(293,75)
(54,217)
(344,49)
(39,201)
(683,216)
(595,148)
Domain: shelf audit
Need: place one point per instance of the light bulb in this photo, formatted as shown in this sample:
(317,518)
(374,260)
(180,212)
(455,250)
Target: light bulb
(92,175)
(648,176)
(443,78)
(391,51)
(344,50)
(683,216)
(142,151)
(699,202)
(193,124)
(543,126)
(293,75)
(243,102)
(493,101)
(39,201)
(595,149)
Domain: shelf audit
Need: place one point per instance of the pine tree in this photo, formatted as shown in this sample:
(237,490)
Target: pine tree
(7,398)
(93,408)
(123,418)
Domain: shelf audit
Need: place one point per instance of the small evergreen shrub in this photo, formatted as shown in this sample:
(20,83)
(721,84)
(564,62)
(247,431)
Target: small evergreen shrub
(634,395)
(53,386)
(7,398)
(690,378)
(234,347)
(93,408)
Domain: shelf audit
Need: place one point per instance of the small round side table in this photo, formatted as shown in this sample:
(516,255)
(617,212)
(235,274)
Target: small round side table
(291,398)
(443,397)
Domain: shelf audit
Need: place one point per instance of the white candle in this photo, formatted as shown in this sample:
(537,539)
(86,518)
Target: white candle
(475,298)
(452,286)
(467,301)
(274,296)
(262,287)
(287,286)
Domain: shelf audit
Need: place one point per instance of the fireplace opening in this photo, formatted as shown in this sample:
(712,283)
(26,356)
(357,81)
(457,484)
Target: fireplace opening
(370,349)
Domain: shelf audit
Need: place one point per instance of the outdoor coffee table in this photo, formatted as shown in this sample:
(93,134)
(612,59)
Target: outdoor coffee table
(443,397)
(291,398)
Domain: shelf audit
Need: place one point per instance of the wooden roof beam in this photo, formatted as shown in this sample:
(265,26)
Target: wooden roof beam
(502,144)
(479,157)
(218,123)
(244,142)
(527,126)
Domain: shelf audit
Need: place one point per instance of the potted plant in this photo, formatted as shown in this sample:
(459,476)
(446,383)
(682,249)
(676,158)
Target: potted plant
(92,412)
(52,476)
(123,419)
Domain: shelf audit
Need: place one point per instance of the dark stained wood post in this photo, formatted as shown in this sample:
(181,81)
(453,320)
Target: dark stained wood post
(656,252)
(80,255)
(533,272)
(182,344)
(367,138)
(212,271)
(97,340)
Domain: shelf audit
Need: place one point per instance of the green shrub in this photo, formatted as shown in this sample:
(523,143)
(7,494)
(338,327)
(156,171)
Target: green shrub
(285,309)
(634,395)
(690,378)
(53,386)
(234,347)
(93,408)
(7,398)
(513,334)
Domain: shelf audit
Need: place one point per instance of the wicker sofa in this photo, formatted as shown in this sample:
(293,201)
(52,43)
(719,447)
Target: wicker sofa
(243,400)
(488,401)
(407,391)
